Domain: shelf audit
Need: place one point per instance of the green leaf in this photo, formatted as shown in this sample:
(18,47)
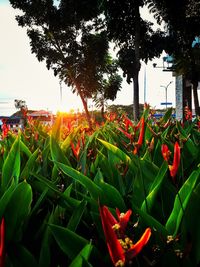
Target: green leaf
(47,183)
(181,202)
(6,198)
(20,256)
(25,149)
(155,187)
(190,226)
(18,208)
(84,254)
(56,128)
(57,153)
(76,216)
(29,165)
(39,201)
(92,188)
(47,240)
(110,196)
(150,221)
(69,242)
(66,143)
(118,152)
(167,116)
(11,166)
(190,150)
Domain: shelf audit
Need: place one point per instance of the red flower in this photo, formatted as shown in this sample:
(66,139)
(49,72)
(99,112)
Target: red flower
(188,113)
(5,129)
(165,152)
(141,136)
(128,123)
(76,149)
(2,242)
(120,247)
(130,136)
(176,161)
(110,117)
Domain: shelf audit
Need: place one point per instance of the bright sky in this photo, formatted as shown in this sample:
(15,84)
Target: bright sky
(23,77)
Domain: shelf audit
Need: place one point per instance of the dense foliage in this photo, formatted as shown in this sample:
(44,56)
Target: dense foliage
(60,185)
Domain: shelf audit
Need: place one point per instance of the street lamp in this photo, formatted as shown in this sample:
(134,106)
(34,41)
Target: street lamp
(166,92)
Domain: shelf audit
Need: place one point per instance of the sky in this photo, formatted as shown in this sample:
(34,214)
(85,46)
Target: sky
(23,77)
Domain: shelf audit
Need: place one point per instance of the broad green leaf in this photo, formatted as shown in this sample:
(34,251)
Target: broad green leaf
(18,208)
(150,221)
(66,143)
(56,128)
(57,153)
(52,187)
(69,242)
(6,198)
(166,116)
(93,189)
(118,152)
(191,222)
(83,158)
(29,165)
(145,176)
(39,201)
(47,239)
(189,148)
(154,189)
(25,149)
(11,166)
(76,216)
(180,203)
(20,256)
(111,196)
(84,254)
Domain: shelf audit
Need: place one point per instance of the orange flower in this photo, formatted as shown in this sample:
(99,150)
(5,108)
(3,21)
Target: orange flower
(76,149)
(130,136)
(121,248)
(128,123)
(165,152)
(2,242)
(5,129)
(188,113)
(176,161)
(141,136)
(110,117)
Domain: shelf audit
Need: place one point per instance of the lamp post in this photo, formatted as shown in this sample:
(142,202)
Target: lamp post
(166,87)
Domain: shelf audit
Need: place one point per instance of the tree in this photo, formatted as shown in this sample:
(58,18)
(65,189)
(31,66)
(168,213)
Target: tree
(182,31)
(68,38)
(134,38)
(111,84)
(21,105)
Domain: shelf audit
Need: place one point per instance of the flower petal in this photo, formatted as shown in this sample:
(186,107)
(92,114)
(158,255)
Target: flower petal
(123,218)
(114,247)
(176,160)
(136,248)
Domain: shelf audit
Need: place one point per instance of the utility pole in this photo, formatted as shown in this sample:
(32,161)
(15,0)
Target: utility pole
(166,87)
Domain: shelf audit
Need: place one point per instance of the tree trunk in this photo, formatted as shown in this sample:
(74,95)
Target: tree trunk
(136,113)
(102,111)
(196,100)
(137,62)
(88,117)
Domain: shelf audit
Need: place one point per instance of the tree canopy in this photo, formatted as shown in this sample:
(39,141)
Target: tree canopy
(67,38)
(182,31)
(73,38)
